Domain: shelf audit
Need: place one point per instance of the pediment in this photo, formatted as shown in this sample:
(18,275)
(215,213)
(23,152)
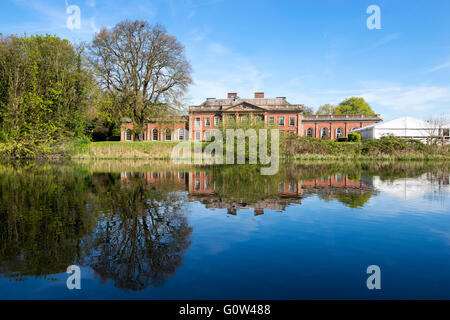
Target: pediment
(243,106)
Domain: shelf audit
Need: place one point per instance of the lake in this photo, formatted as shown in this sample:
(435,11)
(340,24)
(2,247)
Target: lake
(157,231)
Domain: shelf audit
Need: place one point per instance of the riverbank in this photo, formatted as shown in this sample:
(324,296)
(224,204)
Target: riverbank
(293,148)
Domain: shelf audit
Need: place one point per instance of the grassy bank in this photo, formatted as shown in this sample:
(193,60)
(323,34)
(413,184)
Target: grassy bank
(294,148)
(386,148)
(291,148)
(123,150)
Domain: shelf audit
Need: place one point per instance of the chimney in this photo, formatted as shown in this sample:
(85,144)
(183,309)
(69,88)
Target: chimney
(232,95)
(259,95)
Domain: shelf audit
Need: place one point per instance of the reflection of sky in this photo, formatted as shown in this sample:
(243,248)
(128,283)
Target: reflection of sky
(411,188)
(315,249)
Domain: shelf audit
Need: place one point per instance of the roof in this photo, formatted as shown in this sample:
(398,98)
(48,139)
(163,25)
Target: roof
(348,117)
(398,123)
(280,104)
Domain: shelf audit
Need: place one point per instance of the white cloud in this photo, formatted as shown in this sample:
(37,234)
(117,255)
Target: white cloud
(389,99)
(444,65)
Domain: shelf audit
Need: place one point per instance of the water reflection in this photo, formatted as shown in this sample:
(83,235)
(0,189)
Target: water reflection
(141,235)
(52,217)
(210,188)
(132,227)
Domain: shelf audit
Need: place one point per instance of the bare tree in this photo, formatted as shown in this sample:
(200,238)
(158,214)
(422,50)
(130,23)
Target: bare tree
(142,68)
(438,129)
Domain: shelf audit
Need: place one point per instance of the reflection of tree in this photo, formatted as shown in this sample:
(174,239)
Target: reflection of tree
(43,216)
(352,200)
(48,219)
(141,237)
(244,184)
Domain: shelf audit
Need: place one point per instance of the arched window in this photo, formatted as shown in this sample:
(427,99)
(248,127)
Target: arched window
(339,132)
(181,134)
(353,129)
(128,135)
(167,135)
(309,132)
(155,135)
(324,133)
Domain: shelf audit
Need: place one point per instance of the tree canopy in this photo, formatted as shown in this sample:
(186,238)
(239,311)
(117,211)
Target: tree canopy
(353,105)
(142,68)
(326,109)
(44,89)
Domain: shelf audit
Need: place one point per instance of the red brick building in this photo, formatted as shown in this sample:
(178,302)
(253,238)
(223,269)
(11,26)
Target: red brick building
(273,111)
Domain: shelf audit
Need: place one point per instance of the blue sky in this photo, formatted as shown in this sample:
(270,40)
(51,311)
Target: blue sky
(312,52)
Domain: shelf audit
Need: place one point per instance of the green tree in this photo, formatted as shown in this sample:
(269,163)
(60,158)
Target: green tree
(326,109)
(354,105)
(45,89)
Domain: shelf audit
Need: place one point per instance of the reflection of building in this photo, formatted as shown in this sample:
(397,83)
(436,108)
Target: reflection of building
(272,111)
(202,187)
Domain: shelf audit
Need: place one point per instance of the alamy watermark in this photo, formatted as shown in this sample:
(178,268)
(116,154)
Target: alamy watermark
(74,280)
(374,281)
(74,18)
(213,153)
(374,20)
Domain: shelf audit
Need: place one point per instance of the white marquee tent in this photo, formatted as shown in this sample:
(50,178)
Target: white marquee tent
(404,127)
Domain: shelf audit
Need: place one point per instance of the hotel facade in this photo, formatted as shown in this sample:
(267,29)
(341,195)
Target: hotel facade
(273,111)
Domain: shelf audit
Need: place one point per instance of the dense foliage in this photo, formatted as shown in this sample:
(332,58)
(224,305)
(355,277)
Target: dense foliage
(387,146)
(53,92)
(45,91)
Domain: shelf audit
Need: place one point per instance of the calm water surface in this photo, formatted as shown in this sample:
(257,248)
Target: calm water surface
(157,232)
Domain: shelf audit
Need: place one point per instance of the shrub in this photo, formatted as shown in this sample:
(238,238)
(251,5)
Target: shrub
(342,139)
(354,137)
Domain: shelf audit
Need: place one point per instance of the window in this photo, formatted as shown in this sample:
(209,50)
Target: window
(207,122)
(180,175)
(309,132)
(258,118)
(324,133)
(197,185)
(128,135)
(281,187)
(181,134)
(271,120)
(155,175)
(198,135)
(353,129)
(197,123)
(281,121)
(207,136)
(155,134)
(339,132)
(291,121)
(244,119)
(291,187)
(216,121)
(168,135)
